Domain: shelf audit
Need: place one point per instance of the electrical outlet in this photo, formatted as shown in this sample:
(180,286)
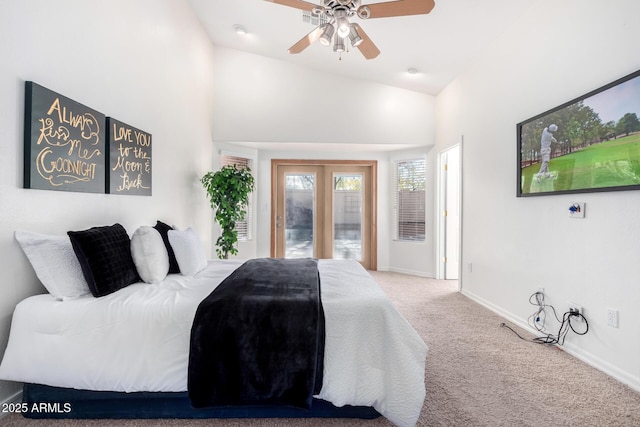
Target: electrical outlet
(576,309)
(612,318)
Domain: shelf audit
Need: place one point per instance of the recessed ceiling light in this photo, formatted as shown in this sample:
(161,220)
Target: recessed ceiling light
(413,70)
(239,29)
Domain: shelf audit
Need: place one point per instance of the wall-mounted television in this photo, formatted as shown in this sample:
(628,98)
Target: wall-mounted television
(589,144)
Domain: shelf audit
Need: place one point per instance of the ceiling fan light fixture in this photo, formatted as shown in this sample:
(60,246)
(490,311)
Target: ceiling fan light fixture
(354,36)
(327,34)
(342,23)
(331,20)
(343,29)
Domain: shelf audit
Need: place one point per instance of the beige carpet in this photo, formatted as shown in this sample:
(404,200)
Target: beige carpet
(477,374)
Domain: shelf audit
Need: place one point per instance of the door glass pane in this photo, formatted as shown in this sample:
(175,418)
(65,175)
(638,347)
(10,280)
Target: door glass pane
(299,211)
(347,216)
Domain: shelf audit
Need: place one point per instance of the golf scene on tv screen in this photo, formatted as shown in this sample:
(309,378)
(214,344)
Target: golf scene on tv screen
(589,144)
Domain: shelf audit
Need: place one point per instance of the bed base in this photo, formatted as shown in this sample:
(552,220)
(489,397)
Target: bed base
(46,402)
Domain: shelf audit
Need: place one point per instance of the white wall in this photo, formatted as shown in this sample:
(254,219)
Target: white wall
(269,104)
(557,52)
(260,99)
(147,63)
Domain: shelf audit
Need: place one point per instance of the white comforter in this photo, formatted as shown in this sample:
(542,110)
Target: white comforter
(137,339)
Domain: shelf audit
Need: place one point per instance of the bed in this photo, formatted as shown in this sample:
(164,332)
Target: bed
(131,347)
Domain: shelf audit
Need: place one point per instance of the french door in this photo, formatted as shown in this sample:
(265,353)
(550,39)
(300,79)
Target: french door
(324,209)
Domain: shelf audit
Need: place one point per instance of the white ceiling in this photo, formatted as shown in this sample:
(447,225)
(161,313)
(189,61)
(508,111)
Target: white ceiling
(441,45)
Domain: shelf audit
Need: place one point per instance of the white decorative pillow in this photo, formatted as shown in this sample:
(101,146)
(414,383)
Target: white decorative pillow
(55,263)
(189,251)
(149,254)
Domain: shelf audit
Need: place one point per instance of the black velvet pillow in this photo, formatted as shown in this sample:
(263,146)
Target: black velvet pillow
(104,254)
(163,229)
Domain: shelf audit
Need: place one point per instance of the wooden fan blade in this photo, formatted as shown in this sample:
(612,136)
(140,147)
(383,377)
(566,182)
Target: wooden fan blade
(368,49)
(298,4)
(399,8)
(306,41)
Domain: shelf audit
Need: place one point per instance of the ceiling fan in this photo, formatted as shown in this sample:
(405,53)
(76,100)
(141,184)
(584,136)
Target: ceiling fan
(337,28)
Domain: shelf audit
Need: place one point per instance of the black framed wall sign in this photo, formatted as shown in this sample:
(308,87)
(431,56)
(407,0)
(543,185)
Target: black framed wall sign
(129,159)
(64,143)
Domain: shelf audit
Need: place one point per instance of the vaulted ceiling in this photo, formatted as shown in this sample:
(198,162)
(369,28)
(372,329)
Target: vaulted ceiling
(440,45)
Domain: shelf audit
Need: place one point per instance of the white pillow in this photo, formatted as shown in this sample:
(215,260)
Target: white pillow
(55,264)
(149,254)
(189,251)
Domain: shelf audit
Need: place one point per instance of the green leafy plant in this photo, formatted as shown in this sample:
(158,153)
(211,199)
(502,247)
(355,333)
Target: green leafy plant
(228,191)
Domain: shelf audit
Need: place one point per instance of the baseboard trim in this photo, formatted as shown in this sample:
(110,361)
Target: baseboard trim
(586,357)
(604,366)
(410,272)
(16,398)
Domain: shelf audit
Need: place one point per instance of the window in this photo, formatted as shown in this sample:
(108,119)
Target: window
(242,227)
(409,183)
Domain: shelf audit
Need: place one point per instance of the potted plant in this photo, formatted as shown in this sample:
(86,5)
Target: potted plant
(228,191)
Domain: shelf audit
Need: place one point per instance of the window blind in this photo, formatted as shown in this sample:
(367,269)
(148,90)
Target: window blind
(244,228)
(409,184)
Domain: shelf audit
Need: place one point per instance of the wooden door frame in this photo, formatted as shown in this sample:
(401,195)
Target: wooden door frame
(373,164)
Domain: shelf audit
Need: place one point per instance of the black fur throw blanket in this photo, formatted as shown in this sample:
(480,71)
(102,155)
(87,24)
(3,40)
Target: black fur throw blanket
(258,338)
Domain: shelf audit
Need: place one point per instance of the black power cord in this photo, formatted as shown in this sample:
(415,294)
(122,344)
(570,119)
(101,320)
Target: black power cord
(539,317)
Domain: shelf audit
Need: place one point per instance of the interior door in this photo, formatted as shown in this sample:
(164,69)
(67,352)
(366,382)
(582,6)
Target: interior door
(451,215)
(324,211)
